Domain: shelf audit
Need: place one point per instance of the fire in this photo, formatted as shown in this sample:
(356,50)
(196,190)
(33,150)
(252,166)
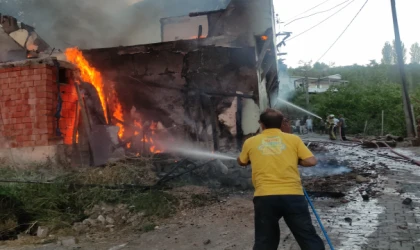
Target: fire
(264,38)
(129,145)
(119,115)
(77,136)
(88,73)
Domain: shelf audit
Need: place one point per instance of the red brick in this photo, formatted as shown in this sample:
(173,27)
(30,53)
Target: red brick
(29,125)
(9,103)
(41,143)
(47,77)
(20,126)
(28,84)
(41,95)
(32,101)
(4,86)
(37,77)
(4,75)
(28,143)
(40,82)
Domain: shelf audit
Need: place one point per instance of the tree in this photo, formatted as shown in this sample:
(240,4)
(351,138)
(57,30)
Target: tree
(394,53)
(387,54)
(372,63)
(415,53)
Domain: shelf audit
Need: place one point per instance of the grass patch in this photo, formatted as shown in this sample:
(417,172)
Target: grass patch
(58,205)
(148,227)
(201,200)
(155,203)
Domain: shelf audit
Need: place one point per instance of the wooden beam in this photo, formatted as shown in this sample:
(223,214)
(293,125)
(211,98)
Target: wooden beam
(264,50)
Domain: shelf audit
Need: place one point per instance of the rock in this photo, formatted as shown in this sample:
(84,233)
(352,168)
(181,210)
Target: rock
(42,232)
(407,201)
(109,220)
(348,220)
(402,227)
(89,222)
(101,219)
(361,179)
(206,242)
(68,241)
(80,227)
(365,197)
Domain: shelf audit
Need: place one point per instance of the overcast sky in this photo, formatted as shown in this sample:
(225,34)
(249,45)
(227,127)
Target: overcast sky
(362,41)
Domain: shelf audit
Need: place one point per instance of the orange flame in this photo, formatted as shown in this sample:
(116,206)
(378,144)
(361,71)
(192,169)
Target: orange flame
(264,38)
(88,73)
(119,115)
(77,136)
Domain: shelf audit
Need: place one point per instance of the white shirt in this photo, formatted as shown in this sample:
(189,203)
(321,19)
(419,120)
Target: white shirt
(336,121)
(297,123)
(309,122)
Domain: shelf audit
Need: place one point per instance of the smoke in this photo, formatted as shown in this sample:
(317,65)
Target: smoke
(101,23)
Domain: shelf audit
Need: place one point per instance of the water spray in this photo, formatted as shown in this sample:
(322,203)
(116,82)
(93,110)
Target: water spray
(296,107)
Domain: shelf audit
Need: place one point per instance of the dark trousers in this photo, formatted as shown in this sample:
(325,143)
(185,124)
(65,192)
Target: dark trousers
(294,208)
(343,134)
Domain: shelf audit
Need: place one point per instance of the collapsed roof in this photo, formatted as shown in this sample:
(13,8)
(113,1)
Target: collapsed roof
(19,40)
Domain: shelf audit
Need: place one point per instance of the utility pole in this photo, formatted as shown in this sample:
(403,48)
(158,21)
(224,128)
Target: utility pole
(405,97)
(307,89)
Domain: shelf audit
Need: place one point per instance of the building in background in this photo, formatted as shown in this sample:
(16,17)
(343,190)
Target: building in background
(317,85)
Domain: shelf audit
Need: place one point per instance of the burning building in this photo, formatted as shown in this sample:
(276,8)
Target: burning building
(205,82)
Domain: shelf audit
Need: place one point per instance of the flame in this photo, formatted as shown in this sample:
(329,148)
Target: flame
(88,73)
(129,145)
(264,38)
(77,136)
(119,115)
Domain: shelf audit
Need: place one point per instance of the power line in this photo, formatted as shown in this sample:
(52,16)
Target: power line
(308,10)
(343,31)
(321,21)
(316,13)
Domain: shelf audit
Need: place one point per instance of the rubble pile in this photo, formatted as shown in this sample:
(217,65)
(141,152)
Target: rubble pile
(108,218)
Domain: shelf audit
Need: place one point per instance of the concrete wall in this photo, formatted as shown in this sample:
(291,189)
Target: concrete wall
(183,28)
(28,103)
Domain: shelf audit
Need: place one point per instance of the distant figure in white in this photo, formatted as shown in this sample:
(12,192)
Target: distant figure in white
(309,125)
(336,121)
(297,125)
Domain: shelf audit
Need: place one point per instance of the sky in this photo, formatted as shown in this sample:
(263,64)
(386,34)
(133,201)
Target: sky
(363,40)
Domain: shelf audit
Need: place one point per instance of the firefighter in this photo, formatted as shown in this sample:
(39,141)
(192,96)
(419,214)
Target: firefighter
(274,157)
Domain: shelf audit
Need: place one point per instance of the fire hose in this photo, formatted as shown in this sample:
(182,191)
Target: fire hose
(318,219)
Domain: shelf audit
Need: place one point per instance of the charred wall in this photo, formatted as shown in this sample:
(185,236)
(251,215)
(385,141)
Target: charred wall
(180,84)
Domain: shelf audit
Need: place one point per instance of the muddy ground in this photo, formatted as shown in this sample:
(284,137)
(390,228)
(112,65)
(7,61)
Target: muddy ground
(376,220)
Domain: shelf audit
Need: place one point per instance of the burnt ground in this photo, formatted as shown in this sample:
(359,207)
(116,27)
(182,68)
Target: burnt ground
(381,222)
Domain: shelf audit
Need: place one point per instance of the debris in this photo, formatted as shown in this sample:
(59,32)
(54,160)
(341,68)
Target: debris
(42,232)
(402,227)
(109,220)
(407,201)
(101,219)
(68,241)
(206,242)
(348,220)
(365,197)
(361,179)
(118,247)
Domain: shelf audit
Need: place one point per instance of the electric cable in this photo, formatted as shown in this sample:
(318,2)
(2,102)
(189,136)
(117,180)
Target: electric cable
(306,11)
(321,21)
(343,31)
(316,13)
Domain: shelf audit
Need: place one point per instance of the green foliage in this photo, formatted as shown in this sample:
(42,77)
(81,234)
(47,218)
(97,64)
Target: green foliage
(372,88)
(360,103)
(59,205)
(415,53)
(387,54)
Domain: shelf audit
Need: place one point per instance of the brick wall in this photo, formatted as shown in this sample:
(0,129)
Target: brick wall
(28,103)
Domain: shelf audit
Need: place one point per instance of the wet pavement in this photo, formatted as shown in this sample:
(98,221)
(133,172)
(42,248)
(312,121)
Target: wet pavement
(383,222)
